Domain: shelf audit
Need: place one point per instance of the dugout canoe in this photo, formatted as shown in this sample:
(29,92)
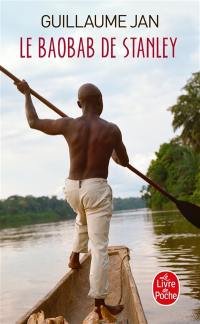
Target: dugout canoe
(69,297)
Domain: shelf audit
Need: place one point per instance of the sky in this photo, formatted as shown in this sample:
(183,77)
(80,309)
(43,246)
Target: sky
(136,92)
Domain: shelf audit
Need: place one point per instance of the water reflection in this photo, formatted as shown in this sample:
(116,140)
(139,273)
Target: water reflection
(178,242)
(16,237)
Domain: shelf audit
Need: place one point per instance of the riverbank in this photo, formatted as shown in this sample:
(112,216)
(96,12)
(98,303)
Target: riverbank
(17,211)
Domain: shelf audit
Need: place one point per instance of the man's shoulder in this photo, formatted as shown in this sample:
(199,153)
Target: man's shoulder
(66,119)
(111,125)
(65,122)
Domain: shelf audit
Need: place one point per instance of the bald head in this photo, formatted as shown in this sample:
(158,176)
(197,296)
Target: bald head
(90,96)
(88,90)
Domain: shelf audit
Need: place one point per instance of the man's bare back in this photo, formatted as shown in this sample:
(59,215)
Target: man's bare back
(92,140)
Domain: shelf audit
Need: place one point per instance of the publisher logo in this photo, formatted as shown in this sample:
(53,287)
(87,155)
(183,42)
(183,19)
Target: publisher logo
(166,288)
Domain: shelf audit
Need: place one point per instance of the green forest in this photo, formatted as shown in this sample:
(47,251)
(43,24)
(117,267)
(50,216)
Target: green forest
(177,164)
(18,210)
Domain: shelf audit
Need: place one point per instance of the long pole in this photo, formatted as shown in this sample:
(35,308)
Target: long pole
(152,183)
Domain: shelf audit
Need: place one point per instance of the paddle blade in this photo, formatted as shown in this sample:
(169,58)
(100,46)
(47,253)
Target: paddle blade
(190,211)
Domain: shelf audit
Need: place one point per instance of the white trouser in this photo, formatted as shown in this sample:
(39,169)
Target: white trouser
(91,199)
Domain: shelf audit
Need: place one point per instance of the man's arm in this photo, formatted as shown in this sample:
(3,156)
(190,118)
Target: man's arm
(119,154)
(48,126)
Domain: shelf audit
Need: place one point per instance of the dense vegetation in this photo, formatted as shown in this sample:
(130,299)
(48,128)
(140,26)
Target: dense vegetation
(177,164)
(177,169)
(128,203)
(186,113)
(17,210)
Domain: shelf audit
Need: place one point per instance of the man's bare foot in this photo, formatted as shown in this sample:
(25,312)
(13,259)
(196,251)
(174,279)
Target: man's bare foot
(74,261)
(114,310)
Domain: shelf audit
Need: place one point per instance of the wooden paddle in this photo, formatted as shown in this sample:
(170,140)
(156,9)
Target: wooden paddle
(190,211)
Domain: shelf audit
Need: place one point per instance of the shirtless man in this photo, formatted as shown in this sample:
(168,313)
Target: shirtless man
(92,141)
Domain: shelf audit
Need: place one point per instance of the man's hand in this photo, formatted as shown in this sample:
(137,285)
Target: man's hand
(48,126)
(124,161)
(23,87)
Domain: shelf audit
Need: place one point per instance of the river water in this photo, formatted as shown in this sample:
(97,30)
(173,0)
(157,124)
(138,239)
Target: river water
(34,258)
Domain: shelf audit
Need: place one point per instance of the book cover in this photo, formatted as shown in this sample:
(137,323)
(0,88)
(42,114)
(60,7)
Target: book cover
(142,57)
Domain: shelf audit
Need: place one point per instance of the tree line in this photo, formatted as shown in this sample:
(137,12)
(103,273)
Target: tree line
(17,210)
(177,164)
